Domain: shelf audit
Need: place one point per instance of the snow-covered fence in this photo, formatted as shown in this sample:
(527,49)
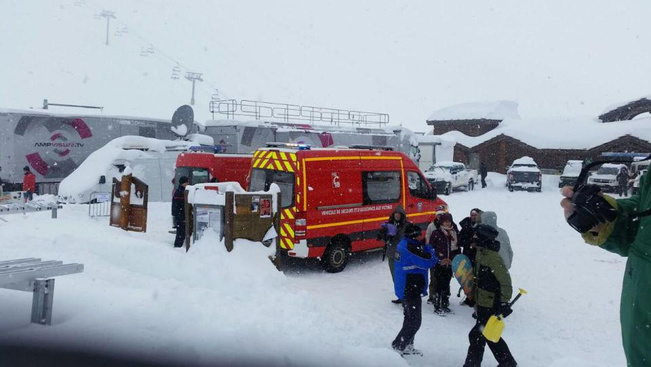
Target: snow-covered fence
(29,207)
(232,212)
(99,205)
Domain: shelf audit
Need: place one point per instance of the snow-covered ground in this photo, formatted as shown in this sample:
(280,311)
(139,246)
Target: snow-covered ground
(143,298)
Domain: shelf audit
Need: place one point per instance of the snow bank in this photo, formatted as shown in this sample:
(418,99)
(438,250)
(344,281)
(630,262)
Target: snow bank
(141,298)
(497,110)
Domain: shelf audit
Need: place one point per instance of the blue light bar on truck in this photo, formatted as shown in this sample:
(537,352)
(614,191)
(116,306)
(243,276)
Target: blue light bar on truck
(288,145)
(207,148)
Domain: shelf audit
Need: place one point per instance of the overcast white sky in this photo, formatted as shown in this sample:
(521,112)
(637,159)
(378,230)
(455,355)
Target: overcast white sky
(405,58)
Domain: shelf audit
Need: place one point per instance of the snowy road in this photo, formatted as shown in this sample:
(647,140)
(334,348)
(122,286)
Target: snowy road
(140,296)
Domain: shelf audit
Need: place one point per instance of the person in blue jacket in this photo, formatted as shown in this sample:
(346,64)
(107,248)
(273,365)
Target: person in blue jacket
(413,259)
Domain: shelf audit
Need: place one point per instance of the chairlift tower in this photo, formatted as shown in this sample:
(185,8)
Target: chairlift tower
(108,15)
(193,77)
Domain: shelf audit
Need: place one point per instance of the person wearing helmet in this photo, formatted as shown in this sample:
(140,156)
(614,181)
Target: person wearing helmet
(413,259)
(492,293)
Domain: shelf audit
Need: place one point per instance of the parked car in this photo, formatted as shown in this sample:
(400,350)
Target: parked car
(570,173)
(524,174)
(448,176)
(606,176)
(638,169)
(635,186)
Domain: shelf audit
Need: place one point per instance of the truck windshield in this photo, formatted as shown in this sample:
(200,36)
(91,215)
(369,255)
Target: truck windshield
(196,175)
(261,179)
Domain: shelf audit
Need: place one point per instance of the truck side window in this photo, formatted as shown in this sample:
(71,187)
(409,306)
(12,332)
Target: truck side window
(381,187)
(417,185)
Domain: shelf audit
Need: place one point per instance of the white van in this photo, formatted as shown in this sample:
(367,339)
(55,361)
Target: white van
(150,160)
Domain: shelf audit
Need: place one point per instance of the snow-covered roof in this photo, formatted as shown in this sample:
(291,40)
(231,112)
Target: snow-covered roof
(89,113)
(496,110)
(615,106)
(127,148)
(560,132)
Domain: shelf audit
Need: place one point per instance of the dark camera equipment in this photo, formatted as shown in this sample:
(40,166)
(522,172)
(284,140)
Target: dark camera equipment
(590,208)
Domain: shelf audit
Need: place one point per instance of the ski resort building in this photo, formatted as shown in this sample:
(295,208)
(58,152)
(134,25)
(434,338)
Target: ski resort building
(496,134)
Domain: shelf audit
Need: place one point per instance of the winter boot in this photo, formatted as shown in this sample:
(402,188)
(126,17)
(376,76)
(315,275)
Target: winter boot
(396,301)
(411,351)
(437,304)
(445,303)
(468,302)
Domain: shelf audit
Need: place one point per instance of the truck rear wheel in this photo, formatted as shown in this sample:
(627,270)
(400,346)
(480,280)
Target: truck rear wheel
(336,255)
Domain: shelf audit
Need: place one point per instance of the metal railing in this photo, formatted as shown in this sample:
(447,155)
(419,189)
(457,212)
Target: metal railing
(290,112)
(99,204)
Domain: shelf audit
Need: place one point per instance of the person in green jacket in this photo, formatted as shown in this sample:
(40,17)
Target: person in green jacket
(492,292)
(630,236)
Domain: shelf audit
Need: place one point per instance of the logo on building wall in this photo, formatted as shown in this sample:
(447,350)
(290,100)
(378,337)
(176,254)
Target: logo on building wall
(53,143)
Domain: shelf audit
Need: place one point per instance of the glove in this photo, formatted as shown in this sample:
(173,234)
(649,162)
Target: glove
(392,230)
(504,309)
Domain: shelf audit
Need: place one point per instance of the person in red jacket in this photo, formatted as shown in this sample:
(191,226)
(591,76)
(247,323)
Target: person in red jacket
(29,184)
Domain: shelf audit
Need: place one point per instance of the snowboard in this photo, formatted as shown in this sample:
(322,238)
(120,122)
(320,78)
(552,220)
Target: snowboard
(463,273)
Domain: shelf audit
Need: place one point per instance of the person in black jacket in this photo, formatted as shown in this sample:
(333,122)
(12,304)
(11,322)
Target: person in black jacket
(483,171)
(622,181)
(467,232)
(178,211)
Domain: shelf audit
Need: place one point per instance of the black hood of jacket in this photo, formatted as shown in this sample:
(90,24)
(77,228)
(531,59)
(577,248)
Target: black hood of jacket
(465,223)
(493,245)
(403,217)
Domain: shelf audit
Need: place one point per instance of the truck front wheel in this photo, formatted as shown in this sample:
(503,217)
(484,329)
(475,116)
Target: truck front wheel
(448,189)
(336,256)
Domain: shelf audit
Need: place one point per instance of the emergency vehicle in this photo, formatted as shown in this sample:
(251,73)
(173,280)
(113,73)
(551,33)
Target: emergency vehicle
(334,200)
(201,167)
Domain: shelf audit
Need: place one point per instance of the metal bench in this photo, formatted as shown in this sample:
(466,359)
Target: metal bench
(34,275)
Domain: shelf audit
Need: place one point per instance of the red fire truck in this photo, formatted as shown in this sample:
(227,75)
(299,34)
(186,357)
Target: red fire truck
(200,167)
(334,200)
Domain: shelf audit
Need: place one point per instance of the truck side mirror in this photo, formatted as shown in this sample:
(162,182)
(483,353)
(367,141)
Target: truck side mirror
(432,193)
(102,179)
